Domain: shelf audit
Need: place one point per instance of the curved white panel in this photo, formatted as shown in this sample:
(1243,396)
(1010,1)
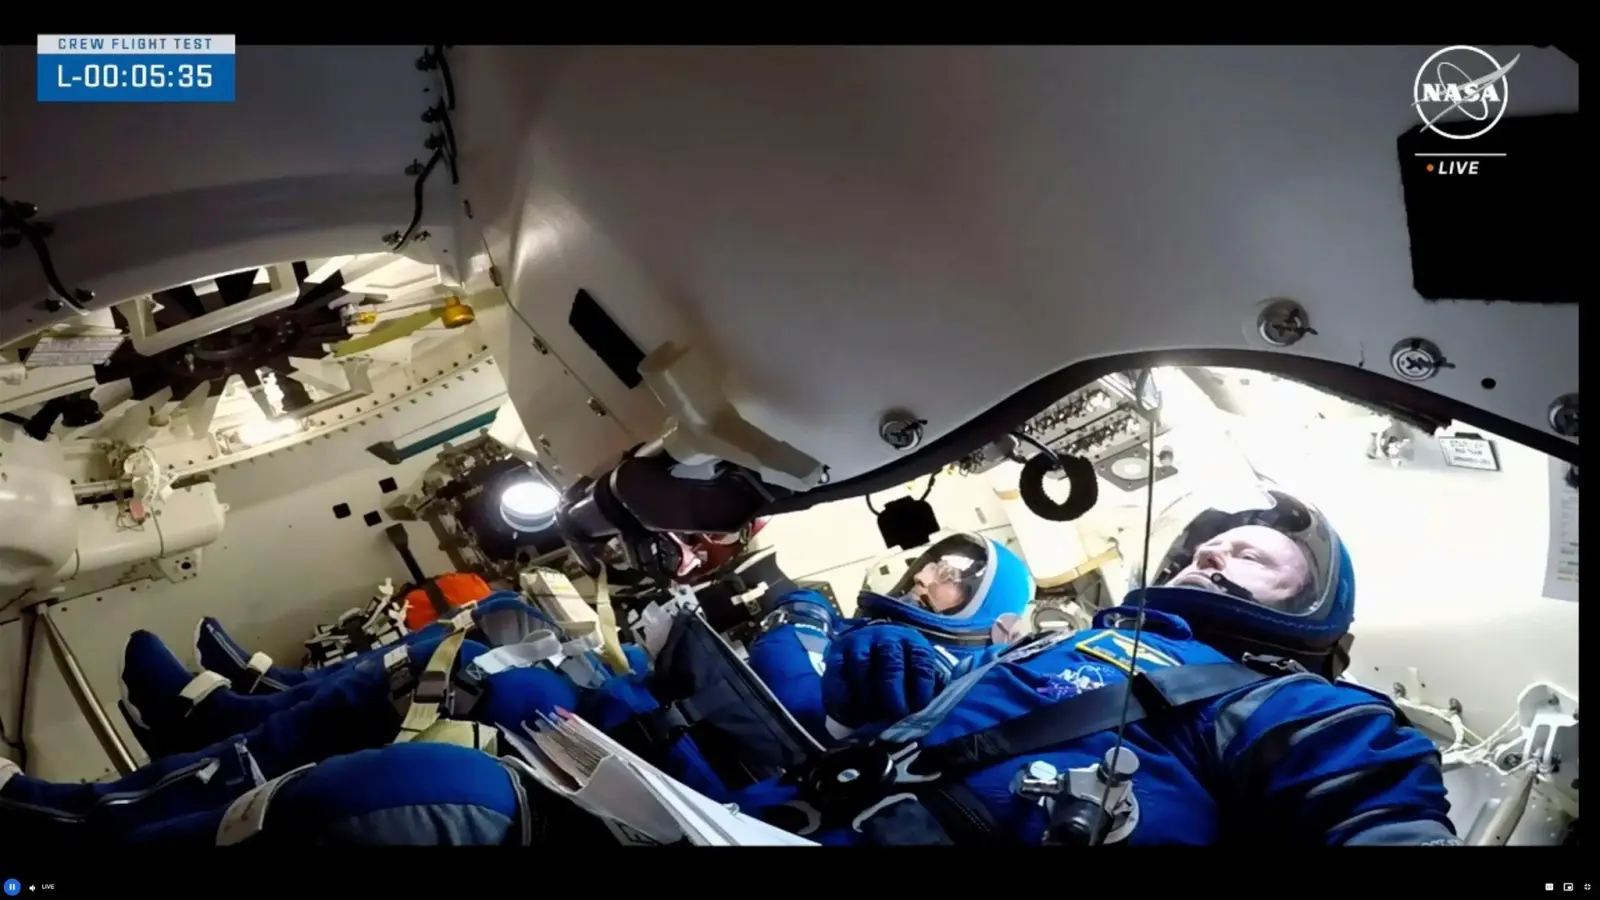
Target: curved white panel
(856,229)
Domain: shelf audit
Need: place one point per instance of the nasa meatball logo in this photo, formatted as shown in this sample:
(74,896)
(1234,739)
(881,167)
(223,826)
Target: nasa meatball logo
(1466,80)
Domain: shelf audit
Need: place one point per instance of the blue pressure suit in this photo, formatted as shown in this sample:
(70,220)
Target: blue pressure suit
(1014,744)
(922,727)
(312,762)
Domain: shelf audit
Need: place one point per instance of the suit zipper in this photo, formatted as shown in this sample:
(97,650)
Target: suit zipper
(261,677)
(122,798)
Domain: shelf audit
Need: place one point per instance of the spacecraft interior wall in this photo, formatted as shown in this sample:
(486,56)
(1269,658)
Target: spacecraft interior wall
(852,231)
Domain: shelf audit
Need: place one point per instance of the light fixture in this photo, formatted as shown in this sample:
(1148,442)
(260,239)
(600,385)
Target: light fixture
(267,430)
(529,504)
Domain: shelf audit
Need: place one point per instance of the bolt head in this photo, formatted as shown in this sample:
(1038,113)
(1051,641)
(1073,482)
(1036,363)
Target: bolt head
(1415,359)
(901,431)
(1282,323)
(1563,415)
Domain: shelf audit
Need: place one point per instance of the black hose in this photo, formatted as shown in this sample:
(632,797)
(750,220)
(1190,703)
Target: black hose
(1084,486)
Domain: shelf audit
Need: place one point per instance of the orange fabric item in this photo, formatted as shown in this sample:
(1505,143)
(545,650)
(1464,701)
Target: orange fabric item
(455,588)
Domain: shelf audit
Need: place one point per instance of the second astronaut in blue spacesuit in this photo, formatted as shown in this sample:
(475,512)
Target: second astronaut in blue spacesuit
(962,594)
(1218,720)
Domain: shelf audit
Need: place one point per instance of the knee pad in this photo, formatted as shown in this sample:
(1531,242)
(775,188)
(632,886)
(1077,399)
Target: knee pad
(403,794)
(514,696)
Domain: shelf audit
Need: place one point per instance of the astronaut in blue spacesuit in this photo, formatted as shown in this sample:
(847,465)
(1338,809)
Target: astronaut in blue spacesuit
(963,594)
(1228,728)
(319,750)
(1217,721)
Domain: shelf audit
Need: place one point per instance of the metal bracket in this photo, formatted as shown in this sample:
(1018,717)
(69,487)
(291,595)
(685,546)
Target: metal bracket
(181,567)
(1549,719)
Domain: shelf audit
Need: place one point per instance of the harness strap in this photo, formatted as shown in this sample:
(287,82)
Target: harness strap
(473,735)
(432,688)
(202,686)
(799,613)
(853,776)
(951,638)
(441,606)
(1086,714)
(657,729)
(610,649)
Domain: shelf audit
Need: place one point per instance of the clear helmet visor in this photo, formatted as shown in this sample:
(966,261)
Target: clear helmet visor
(948,577)
(1261,546)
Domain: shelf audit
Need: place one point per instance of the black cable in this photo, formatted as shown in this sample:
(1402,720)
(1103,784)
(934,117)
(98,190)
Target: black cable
(13,601)
(1138,627)
(1038,444)
(416,194)
(21,743)
(449,145)
(433,58)
(926,491)
(444,73)
(15,228)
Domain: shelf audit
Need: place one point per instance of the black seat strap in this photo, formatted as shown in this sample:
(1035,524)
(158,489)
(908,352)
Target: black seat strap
(1086,714)
(441,606)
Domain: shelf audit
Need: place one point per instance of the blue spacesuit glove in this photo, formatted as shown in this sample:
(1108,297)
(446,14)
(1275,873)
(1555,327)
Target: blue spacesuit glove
(879,674)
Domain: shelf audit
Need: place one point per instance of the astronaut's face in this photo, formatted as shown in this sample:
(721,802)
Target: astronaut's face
(1259,559)
(938,587)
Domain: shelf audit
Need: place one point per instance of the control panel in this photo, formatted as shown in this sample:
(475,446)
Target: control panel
(1103,422)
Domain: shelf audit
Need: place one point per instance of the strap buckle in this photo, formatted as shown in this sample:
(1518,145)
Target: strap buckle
(854,777)
(468,690)
(1276,665)
(665,725)
(432,687)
